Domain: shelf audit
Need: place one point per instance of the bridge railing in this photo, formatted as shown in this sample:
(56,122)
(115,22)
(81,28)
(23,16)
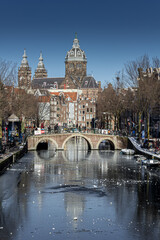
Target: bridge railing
(61,131)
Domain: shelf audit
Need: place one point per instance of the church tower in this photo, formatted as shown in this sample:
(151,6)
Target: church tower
(40,72)
(76,63)
(24,73)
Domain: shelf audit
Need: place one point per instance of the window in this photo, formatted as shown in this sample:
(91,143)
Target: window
(90,109)
(83,106)
(87,116)
(83,118)
(80,119)
(87,109)
(79,106)
(87,104)
(79,65)
(91,116)
(79,112)
(83,112)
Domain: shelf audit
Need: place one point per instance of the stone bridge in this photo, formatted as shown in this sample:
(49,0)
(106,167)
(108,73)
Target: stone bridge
(93,140)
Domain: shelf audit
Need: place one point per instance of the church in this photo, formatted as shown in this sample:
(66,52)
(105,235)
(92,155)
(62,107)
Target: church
(78,91)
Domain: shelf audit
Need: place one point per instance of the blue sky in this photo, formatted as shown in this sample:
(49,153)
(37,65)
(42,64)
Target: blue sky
(111,32)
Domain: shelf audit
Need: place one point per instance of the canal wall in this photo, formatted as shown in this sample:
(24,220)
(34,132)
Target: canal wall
(7,159)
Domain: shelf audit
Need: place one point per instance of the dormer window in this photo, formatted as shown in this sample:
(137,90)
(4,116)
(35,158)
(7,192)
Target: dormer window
(72,53)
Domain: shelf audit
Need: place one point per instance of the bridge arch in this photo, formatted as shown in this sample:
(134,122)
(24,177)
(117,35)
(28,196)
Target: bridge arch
(90,145)
(46,139)
(112,143)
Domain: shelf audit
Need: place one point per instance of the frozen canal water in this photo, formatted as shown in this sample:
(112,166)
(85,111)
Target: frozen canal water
(76,194)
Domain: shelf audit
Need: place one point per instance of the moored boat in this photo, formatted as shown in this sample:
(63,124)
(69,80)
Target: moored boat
(151,162)
(140,158)
(127,151)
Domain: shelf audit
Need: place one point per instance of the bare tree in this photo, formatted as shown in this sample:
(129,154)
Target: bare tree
(8,73)
(110,101)
(8,77)
(156,62)
(44,108)
(131,70)
(143,77)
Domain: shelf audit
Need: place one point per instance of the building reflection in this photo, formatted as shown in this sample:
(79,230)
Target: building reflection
(70,168)
(74,205)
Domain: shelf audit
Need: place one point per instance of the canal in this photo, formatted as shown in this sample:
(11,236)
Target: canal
(79,194)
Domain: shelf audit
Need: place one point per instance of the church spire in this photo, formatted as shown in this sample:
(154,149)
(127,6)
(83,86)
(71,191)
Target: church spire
(40,72)
(24,73)
(76,42)
(41,64)
(24,62)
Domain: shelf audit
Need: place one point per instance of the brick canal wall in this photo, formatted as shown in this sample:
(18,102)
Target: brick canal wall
(7,160)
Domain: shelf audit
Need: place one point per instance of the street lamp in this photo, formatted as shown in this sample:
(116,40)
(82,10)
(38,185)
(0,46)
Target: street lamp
(95,120)
(104,113)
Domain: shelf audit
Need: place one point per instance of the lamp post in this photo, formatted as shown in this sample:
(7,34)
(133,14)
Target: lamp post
(95,120)
(0,134)
(104,113)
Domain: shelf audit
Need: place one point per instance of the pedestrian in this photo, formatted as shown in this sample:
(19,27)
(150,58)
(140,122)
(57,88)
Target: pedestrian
(49,129)
(42,125)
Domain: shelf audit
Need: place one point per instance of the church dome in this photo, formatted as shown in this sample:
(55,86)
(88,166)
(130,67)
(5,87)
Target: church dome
(76,53)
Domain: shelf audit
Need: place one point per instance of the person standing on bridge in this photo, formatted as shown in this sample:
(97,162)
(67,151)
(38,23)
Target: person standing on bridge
(49,129)
(42,125)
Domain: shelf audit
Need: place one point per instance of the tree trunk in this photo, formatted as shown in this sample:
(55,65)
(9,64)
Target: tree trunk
(139,124)
(148,116)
